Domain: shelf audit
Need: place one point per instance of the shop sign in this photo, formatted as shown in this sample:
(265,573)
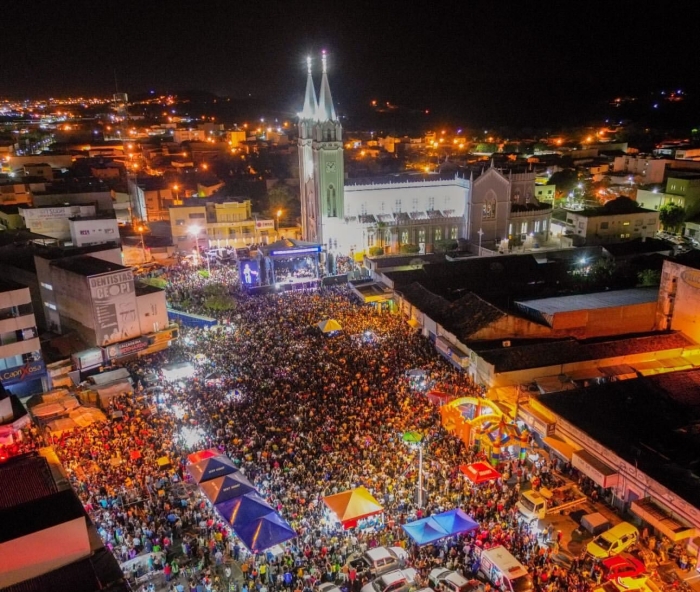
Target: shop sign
(89,358)
(535,423)
(692,278)
(264,224)
(126,348)
(22,373)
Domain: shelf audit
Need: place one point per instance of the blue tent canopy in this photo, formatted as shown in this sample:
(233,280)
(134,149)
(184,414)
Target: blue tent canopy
(211,468)
(242,510)
(425,531)
(265,532)
(456,521)
(227,487)
(439,526)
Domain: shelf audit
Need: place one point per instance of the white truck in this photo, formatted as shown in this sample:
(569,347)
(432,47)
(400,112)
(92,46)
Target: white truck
(535,505)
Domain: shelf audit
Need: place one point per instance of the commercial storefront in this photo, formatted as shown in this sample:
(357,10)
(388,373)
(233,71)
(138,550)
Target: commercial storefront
(662,520)
(536,421)
(595,469)
(455,355)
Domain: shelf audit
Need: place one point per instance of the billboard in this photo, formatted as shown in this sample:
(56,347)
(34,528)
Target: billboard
(250,272)
(114,307)
(19,374)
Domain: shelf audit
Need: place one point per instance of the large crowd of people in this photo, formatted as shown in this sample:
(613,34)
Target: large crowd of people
(304,416)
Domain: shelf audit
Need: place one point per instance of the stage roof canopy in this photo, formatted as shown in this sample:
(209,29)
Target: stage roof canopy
(289,247)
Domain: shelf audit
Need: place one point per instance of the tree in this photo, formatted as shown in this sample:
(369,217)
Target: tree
(409,249)
(281,197)
(376,251)
(564,181)
(444,245)
(672,216)
(649,278)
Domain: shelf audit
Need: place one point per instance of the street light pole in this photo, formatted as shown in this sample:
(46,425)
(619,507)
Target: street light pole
(141,229)
(420,475)
(480,233)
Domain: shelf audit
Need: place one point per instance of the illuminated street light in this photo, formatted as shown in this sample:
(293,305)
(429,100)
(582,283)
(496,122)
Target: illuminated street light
(141,228)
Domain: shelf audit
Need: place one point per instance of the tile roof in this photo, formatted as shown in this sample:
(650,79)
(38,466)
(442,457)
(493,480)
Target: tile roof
(24,479)
(510,359)
(463,317)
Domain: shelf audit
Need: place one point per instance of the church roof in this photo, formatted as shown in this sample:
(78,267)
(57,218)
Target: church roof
(310,102)
(326,110)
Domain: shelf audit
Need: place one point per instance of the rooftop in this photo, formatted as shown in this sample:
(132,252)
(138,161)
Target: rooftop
(8,285)
(651,422)
(556,352)
(31,479)
(610,299)
(87,266)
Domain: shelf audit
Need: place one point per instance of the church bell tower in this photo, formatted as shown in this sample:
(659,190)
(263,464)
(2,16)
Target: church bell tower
(321,169)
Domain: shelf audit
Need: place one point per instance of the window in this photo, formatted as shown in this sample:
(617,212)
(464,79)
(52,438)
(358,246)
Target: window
(47,286)
(626,223)
(415,204)
(438,234)
(404,237)
(179,222)
(510,229)
(523,228)
(363,209)
(544,225)
(397,206)
(421,235)
(604,225)
(638,222)
(453,233)
(196,216)
(537,225)
(431,204)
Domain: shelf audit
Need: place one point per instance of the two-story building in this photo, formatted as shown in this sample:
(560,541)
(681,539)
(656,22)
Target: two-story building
(618,220)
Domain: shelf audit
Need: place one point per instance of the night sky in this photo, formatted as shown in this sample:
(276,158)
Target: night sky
(489,60)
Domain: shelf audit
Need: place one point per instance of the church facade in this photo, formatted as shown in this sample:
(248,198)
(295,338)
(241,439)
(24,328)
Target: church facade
(484,206)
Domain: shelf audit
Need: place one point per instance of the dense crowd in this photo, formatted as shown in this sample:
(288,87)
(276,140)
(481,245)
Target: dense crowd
(303,415)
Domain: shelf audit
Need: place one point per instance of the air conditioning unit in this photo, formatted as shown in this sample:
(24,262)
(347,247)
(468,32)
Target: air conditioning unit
(506,344)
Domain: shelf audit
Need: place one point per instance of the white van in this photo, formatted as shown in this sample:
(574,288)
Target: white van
(500,568)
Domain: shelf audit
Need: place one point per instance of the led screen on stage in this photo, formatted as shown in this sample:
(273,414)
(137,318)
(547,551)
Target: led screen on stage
(250,272)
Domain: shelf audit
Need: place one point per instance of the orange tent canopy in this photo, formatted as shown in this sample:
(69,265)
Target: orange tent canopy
(353,505)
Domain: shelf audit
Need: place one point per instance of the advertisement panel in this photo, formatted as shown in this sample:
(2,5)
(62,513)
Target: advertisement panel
(114,307)
(126,348)
(21,373)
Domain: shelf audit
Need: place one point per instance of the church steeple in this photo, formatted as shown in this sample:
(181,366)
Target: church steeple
(310,103)
(326,111)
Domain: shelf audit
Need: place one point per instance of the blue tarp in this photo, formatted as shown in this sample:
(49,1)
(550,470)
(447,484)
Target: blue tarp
(211,468)
(439,526)
(190,320)
(244,509)
(265,532)
(226,488)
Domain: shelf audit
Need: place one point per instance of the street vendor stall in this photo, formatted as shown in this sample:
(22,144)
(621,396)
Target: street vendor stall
(352,506)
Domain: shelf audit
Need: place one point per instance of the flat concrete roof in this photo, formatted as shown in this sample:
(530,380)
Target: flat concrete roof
(550,306)
(87,266)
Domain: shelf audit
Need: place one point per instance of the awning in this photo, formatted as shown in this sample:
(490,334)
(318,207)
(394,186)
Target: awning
(585,374)
(619,371)
(662,520)
(554,384)
(560,448)
(535,420)
(595,469)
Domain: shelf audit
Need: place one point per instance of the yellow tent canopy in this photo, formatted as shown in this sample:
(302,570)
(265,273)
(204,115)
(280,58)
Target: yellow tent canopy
(329,325)
(353,505)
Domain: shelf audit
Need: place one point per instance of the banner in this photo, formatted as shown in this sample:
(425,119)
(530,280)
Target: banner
(126,348)
(22,373)
(114,307)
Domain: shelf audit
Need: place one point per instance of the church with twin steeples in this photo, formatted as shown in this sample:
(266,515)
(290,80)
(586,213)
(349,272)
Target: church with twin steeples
(423,211)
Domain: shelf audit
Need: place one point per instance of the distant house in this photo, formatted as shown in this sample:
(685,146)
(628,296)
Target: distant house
(618,220)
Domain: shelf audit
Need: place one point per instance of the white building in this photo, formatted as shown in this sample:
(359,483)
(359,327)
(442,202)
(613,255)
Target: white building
(646,169)
(93,230)
(53,221)
(392,212)
(21,364)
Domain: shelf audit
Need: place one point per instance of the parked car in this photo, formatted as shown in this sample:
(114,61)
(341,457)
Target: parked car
(326,587)
(446,580)
(623,565)
(399,580)
(379,560)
